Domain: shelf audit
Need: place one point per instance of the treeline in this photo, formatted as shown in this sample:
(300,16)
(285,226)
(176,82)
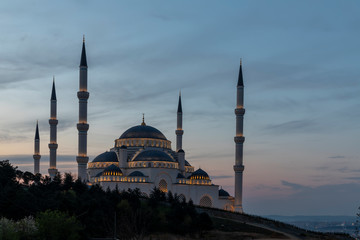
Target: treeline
(66,208)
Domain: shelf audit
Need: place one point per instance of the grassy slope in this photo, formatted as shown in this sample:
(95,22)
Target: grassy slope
(270,228)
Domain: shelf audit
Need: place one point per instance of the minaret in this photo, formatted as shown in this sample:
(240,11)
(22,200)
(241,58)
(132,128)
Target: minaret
(239,141)
(53,123)
(83,95)
(179,131)
(37,155)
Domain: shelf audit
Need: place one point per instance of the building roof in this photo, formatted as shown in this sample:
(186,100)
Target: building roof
(223,193)
(106,157)
(187,163)
(199,174)
(180,176)
(112,170)
(153,155)
(136,174)
(143,131)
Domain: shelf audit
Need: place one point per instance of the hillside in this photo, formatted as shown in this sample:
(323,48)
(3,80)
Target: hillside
(229,225)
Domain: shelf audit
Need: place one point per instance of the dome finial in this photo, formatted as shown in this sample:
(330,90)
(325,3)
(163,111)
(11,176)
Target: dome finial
(143,120)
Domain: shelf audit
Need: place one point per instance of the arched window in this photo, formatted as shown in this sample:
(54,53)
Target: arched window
(181,198)
(163,186)
(205,202)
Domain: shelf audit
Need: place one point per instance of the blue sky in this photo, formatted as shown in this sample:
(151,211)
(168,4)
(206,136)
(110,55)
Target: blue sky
(301,73)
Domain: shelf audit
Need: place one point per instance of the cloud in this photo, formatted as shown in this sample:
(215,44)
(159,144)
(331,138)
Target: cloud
(337,157)
(328,199)
(222,176)
(297,126)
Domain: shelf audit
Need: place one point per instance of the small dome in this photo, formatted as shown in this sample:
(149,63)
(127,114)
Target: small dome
(153,155)
(223,193)
(180,175)
(180,151)
(143,131)
(199,174)
(112,170)
(136,174)
(123,147)
(106,157)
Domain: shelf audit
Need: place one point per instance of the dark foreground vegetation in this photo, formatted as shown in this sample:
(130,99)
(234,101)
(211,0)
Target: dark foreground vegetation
(34,207)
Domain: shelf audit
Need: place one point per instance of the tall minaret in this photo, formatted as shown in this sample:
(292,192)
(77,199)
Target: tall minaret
(179,131)
(239,141)
(37,155)
(53,123)
(83,95)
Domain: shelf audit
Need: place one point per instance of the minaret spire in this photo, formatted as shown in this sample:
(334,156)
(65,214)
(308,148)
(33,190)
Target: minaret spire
(53,131)
(37,155)
(179,104)
(83,95)
(239,141)
(83,62)
(240,78)
(179,131)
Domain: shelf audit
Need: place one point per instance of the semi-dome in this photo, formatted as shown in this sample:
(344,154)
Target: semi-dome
(143,131)
(112,170)
(223,193)
(153,155)
(106,157)
(136,174)
(199,174)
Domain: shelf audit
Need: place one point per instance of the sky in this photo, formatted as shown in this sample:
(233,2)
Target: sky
(301,77)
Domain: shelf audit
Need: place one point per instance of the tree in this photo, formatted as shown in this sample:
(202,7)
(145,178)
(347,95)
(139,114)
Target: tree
(56,225)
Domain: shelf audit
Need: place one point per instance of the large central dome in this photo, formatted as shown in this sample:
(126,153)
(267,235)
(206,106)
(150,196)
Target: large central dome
(143,131)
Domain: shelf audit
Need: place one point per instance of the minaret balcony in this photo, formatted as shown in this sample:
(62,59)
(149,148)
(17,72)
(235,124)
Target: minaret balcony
(83,95)
(239,168)
(82,159)
(82,127)
(37,156)
(179,132)
(53,121)
(239,111)
(53,145)
(239,139)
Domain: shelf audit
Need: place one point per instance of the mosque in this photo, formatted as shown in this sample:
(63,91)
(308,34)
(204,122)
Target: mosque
(142,156)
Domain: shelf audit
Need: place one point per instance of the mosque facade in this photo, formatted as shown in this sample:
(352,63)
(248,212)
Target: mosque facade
(142,156)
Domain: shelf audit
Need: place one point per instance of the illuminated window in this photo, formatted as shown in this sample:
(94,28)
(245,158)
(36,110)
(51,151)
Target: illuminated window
(163,186)
(205,202)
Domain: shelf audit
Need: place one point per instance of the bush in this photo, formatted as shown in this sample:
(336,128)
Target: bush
(55,225)
(8,230)
(24,229)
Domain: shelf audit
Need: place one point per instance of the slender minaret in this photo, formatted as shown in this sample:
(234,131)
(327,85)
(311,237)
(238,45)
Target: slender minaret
(179,131)
(53,123)
(239,141)
(83,95)
(37,155)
